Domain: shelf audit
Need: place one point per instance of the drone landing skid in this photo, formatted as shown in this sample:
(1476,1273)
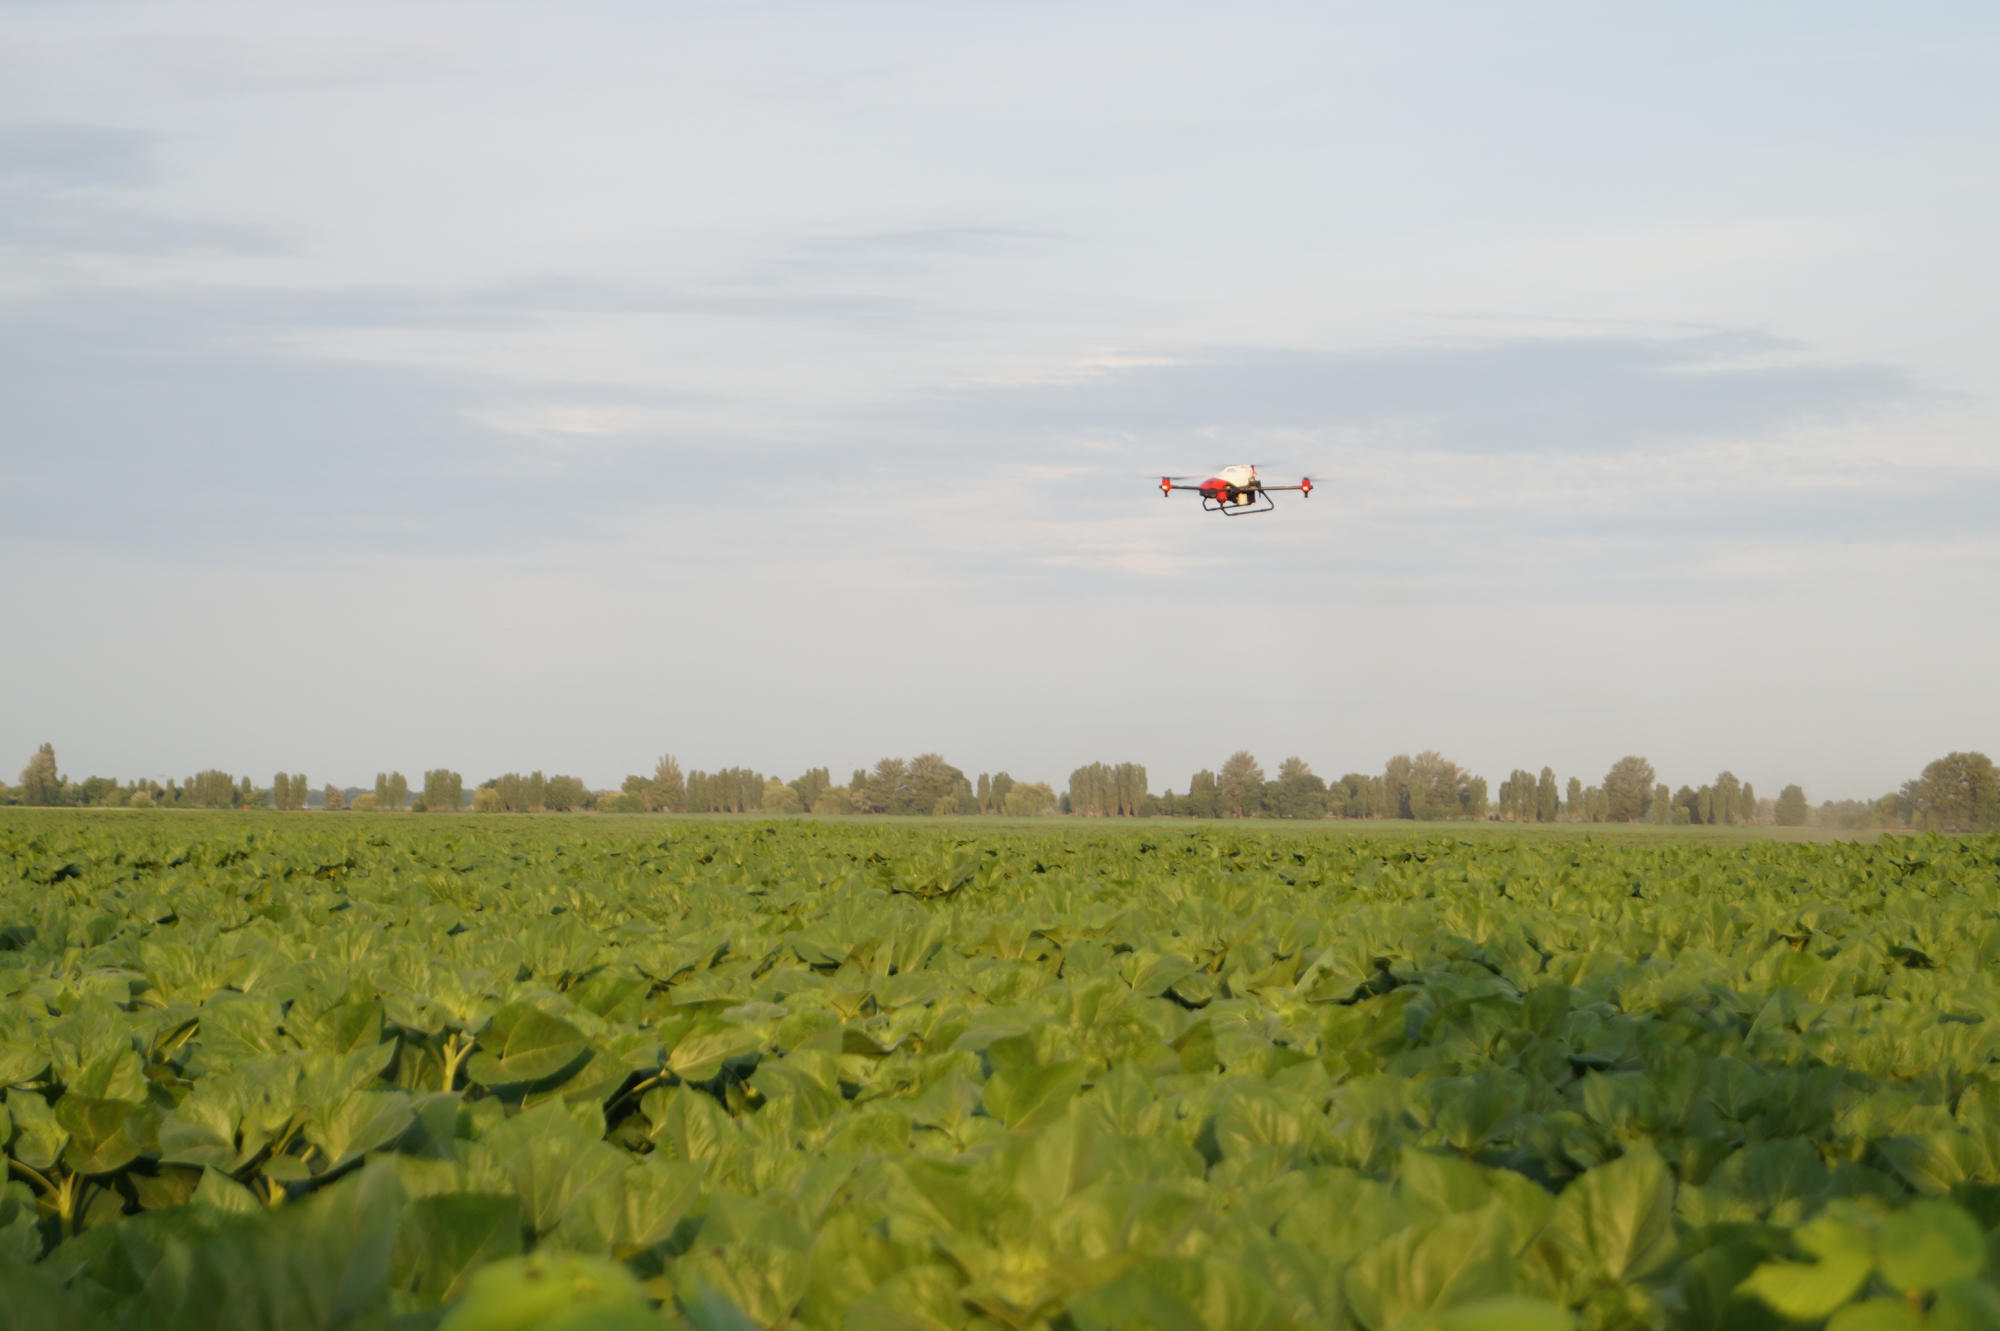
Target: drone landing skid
(1260,502)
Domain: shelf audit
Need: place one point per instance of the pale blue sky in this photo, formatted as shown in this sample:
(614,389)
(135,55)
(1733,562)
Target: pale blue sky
(506,386)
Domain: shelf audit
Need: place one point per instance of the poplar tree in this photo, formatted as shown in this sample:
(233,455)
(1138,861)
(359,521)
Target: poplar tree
(41,783)
(1547,807)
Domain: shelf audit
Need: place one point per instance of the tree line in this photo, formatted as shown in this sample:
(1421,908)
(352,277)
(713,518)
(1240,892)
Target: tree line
(1958,792)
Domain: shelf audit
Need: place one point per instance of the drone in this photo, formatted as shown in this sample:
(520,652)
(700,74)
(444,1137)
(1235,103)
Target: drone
(1234,491)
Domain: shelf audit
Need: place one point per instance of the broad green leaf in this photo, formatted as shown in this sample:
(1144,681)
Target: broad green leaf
(1457,1259)
(700,1054)
(546,1289)
(20,1238)
(1507,1312)
(39,1138)
(1928,1245)
(1843,1248)
(1877,1315)
(640,1209)
(524,1044)
(225,1194)
(20,1062)
(103,1134)
(1613,1223)
(360,1122)
(448,1236)
(1966,1305)
(116,1074)
(1032,1095)
(551,1161)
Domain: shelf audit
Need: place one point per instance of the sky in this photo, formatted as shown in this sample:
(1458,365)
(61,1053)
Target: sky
(505,386)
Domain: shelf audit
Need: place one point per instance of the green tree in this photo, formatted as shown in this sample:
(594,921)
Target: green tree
(932,785)
(366,803)
(1429,786)
(1297,793)
(1573,801)
(669,791)
(1628,789)
(809,786)
(1202,798)
(1240,786)
(1474,795)
(288,792)
(565,794)
(211,789)
(997,791)
(1102,790)
(781,798)
(1728,799)
(1792,810)
(834,799)
(335,799)
(41,783)
(444,791)
(1662,808)
(1030,799)
(1352,796)
(886,789)
(1547,806)
(392,791)
(1959,792)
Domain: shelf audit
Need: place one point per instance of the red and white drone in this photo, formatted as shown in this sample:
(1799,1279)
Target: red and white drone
(1234,491)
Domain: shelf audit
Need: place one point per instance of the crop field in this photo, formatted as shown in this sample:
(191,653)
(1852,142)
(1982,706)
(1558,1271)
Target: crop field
(292,1071)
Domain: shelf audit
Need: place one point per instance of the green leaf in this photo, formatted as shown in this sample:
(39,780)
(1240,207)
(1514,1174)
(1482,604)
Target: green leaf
(116,1074)
(1614,1223)
(450,1235)
(1032,1095)
(551,1160)
(523,1044)
(1458,1259)
(1928,1245)
(39,1138)
(700,1054)
(35,1300)
(21,1062)
(638,1210)
(1840,1241)
(1966,1305)
(542,1289)
(1877,1315)
(102,1133)
(1508,1312)
(224,1194)
(358,1123)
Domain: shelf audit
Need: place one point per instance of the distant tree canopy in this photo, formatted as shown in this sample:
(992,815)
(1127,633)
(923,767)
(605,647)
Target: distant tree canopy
(41,783)
(1628,790)
(1959,792)
(392,791)
(444,791)
(1104,791)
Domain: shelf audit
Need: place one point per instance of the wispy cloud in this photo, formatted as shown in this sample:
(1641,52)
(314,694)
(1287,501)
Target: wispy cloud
(71,155)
